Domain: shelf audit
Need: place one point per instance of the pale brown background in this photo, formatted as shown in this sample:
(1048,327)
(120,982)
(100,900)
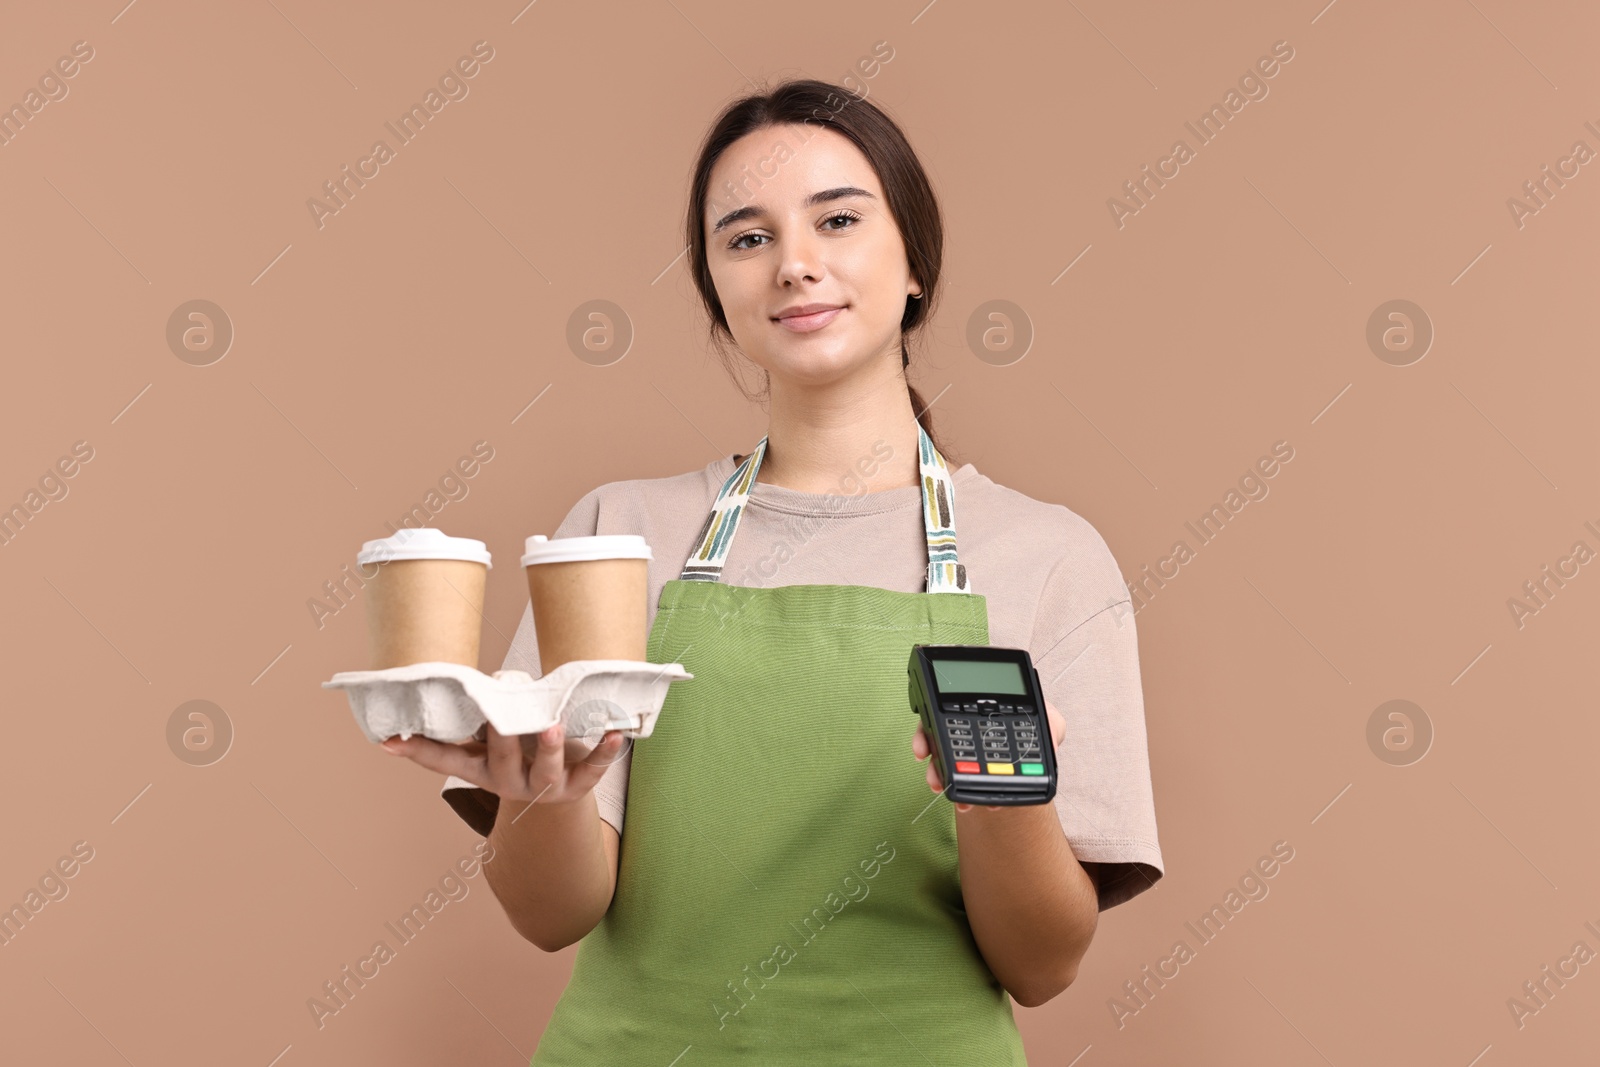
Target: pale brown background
(369,355)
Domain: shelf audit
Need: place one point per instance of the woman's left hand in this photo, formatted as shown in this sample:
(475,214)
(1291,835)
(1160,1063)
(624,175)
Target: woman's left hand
(922,750)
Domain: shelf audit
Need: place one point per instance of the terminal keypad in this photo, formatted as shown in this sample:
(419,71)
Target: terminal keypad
(989,737)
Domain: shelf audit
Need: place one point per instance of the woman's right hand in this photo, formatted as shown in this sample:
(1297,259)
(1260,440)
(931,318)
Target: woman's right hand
(555,769)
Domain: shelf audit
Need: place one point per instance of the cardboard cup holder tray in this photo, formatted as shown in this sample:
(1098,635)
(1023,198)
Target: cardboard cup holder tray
(451,702)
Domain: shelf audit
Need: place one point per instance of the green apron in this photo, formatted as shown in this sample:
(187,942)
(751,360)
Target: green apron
(788,889)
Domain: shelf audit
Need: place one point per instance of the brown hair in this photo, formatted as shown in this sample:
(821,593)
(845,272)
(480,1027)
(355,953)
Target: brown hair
(907,192)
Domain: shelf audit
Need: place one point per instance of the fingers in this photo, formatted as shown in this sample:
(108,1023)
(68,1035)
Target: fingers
(549,764)
(919,743)
(583,774)
(503,762)
(1058,725)
(518,766)
(600,756)
(437,756)
(924,751)
(611,748)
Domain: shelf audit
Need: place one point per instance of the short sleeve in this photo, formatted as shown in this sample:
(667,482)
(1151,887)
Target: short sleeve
(1089,669)
(478,807)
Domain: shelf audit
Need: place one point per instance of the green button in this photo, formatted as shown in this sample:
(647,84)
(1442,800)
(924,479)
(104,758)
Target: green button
(1031,768)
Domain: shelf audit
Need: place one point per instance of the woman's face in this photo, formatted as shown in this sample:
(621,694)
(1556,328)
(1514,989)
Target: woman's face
(805,223)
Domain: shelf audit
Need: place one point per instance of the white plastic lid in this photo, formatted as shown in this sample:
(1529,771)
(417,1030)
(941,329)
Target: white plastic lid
(423,543)
(540,549)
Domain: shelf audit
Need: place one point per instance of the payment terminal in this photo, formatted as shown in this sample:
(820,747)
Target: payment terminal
(983,711)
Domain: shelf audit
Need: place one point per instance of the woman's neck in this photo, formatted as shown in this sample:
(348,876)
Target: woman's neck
(842,438)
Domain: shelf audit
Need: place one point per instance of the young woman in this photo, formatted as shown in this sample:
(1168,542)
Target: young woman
(787,890)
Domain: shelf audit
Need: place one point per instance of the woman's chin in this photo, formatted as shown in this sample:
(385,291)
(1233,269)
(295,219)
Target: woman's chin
(816,373)
(809,364)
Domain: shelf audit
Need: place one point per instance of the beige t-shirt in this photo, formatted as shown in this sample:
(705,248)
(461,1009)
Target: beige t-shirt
(1050,583)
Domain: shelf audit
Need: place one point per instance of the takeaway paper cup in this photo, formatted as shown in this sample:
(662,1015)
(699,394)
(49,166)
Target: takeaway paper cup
(589,597)
(426,603)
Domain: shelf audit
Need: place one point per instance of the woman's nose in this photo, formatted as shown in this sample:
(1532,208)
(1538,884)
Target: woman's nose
(800,258)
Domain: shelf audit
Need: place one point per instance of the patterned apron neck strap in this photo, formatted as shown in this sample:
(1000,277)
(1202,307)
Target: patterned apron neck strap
(946,574)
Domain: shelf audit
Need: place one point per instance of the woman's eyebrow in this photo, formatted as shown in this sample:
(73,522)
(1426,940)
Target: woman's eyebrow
(752,210)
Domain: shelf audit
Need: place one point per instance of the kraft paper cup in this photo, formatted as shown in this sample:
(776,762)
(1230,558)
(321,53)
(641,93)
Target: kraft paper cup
(426,603)
(589,597)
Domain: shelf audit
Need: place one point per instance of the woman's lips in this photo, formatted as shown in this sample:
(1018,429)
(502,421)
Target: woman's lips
(807,323)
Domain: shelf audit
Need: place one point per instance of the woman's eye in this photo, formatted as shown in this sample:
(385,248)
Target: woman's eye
(738,243)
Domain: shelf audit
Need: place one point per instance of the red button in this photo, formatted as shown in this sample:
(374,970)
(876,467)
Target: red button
(967,768)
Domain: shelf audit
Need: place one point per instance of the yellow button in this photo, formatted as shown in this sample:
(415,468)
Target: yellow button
(1000,768)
